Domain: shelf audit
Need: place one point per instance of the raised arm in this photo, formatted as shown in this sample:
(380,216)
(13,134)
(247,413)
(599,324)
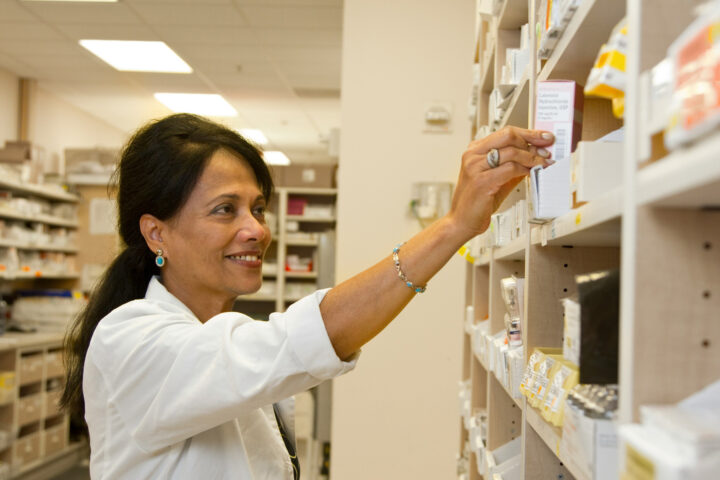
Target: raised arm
(362,306)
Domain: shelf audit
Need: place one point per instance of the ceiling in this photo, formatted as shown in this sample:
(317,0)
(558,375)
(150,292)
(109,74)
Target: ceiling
(276,61)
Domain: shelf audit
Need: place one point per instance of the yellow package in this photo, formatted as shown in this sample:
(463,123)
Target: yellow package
(565,379)
(526,382)
(545,371)
(607,78)
(7,387)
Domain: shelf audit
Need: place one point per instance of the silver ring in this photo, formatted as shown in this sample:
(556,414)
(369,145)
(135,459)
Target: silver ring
(493,158)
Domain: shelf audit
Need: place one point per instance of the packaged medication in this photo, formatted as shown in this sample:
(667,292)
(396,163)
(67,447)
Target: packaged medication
(695,105)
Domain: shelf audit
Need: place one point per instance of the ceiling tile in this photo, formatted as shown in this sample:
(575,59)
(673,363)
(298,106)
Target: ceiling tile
(208,35)
(77,62)
(306,54)
(28,31)
(15,66)
(160,82)
(314,81)
(79,31)
(229,54)
(300,37)
(291,3)
(176,2)
(298,17)
(11,11)
(93,13)
(189,14)
(230,82)
(19,48)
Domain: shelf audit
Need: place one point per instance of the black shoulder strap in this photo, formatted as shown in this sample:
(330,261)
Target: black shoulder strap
(288,443)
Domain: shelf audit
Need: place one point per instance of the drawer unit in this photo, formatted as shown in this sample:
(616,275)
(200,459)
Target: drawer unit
(54,364)
(29,409)
(52,399)
(55,438)
(26,450)
(31,368)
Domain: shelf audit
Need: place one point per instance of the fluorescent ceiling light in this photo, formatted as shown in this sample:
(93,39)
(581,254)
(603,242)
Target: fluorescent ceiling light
(137,56)
(208,104)
(254,135)
(276,158)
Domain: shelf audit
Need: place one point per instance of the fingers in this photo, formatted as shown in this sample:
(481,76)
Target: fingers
(498,177)
(526,157)
(539,138)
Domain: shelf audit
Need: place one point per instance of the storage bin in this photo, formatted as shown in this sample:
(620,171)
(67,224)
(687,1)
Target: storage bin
(26,450)
(52,400)
(29,409)
(30,369)
(54,364)
(55,438)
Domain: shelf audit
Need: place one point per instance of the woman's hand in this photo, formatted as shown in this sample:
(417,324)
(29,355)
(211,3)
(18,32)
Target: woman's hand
(481,189)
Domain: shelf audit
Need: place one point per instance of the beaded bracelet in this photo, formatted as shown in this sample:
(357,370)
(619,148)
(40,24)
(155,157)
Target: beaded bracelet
(402,276)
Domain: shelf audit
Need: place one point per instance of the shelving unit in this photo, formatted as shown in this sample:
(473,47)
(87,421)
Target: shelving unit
(660,228)
(38,432)
(320,248)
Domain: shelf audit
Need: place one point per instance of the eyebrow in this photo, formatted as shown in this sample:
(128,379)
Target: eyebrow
(235,197)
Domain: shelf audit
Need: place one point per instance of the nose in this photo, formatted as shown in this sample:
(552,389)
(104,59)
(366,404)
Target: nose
(253,230)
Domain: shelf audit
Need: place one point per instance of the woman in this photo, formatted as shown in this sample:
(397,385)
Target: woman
(171,382)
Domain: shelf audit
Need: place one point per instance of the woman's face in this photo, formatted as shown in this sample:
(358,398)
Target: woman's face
(216,242)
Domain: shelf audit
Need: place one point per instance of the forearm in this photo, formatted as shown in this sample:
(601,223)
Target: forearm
(362,306)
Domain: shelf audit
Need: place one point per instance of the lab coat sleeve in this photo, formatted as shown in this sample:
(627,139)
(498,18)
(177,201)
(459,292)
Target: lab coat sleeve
(171,377)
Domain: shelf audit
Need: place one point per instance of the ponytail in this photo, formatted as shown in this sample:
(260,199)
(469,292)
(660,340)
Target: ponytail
(125,280)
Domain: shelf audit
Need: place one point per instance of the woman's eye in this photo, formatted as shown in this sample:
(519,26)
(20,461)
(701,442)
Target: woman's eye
(259,211)
(223,209)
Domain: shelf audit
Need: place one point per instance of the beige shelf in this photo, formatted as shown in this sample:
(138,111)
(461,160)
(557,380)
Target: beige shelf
(73,453)
(301,243)
(575,52)
(301,274)
(309,191)
(47,219)
(513,14)
(515,250)
(256,298)
(42,276)
(552,436)
(44,191)
(594,224)
(689,177)
(302,218)
(517,112)
(29,246)
(488,72)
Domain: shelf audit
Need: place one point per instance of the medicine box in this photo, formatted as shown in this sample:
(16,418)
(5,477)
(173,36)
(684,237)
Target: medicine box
(596,168)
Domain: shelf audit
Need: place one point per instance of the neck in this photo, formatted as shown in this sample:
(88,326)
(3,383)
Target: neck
(204,306)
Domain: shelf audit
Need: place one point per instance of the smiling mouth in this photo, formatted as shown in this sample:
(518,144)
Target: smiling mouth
(250,261)
(245,258)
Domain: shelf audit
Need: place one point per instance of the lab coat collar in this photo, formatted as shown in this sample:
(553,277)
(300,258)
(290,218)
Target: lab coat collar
(157,292)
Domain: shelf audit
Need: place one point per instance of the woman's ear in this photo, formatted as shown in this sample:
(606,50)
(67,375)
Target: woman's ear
(152,230)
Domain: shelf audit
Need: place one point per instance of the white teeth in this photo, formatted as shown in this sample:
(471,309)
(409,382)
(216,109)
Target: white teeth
(246,258)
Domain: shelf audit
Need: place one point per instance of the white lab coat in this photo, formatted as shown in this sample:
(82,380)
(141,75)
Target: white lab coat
(167,396)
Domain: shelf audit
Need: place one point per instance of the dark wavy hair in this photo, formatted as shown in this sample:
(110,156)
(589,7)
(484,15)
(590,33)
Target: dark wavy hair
(158,169)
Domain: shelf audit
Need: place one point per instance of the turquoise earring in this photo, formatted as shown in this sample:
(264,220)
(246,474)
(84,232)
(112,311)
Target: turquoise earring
(159,259)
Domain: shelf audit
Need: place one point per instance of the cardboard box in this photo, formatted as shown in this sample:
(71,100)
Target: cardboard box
(308,175)
(597,167)
(591,443)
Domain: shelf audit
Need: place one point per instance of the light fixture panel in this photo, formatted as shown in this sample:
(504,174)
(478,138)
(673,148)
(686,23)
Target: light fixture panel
(137,56)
